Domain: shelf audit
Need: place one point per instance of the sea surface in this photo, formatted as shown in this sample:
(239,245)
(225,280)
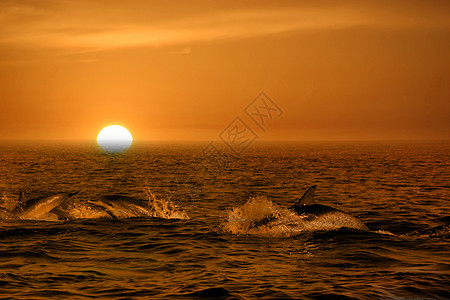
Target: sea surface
(400,190)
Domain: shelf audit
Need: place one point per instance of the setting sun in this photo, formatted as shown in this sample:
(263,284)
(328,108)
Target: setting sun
(114,138)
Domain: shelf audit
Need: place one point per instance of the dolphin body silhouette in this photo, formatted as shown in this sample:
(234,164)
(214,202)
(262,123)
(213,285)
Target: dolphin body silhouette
(38,208)
(323,217)
(120,207)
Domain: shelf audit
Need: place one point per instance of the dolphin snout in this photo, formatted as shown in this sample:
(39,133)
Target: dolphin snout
(74,193)
(95,202)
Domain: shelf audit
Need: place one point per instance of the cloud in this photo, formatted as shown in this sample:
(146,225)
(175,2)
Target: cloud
(91,26)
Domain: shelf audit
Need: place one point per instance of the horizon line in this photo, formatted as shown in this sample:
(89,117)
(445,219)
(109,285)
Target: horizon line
(145,141)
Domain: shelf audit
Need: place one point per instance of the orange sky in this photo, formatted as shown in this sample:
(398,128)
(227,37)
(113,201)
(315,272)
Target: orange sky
(174,70)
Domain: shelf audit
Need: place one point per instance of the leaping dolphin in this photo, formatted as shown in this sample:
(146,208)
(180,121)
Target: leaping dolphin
(120,207)
(323,217)
(38,208)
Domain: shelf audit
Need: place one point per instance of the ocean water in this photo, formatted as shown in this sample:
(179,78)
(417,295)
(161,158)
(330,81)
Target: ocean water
(401,191)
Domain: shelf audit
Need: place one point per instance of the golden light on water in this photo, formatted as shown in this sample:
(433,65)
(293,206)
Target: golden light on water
(114,138)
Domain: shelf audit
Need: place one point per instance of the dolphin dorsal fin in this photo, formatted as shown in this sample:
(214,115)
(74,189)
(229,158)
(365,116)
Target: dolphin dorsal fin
(22,197)
(308,197)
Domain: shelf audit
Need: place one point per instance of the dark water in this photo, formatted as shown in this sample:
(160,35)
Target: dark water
(401,191)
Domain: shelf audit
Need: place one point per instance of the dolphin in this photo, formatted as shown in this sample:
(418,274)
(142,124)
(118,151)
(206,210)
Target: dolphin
(323,217)
(120,207)
(39,207)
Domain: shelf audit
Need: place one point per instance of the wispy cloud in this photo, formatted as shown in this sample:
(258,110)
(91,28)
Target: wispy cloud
(82,27)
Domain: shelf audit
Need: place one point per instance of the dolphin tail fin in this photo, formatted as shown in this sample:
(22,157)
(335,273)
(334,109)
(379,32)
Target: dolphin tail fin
(308,197)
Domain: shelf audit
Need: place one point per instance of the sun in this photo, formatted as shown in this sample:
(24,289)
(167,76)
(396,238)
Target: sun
(114,138)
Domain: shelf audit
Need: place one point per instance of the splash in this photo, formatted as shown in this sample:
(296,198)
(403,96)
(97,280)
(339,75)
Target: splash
(385,232)
(8,203)
(262,217)
(164,208)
